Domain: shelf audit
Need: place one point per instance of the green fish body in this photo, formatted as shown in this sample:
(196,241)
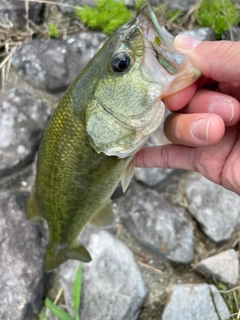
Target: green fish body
(105,117)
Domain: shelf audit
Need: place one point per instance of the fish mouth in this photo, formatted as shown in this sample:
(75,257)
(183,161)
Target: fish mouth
(160,41)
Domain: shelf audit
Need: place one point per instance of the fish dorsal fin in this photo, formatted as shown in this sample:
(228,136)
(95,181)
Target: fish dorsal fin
(104,217)
(127,175)
(53,260)
(32,212)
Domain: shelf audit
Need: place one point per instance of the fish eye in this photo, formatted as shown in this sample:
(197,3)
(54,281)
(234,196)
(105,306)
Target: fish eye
(121,62)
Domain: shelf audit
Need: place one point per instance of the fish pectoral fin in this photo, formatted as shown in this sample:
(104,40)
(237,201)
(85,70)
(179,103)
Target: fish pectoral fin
(104,217)
(127,175)
(53,260)
(32,212)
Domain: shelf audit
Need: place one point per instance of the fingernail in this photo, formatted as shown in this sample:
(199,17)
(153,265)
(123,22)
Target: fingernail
(185,42)
(222,107)
(199,128)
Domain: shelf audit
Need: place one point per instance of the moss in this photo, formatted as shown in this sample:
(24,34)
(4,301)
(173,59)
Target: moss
(107,15)
(220,15)
(53,31)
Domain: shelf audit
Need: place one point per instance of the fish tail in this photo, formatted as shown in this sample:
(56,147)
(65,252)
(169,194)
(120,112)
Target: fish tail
(32,212)
(54,259)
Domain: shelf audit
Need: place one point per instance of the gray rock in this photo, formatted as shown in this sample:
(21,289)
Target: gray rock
(22,248)
(151,176)
(235,34)
(23,118)
(201,34)
(13,11)
(198,302)
(215,208)
(53,64)
(158,225)
(113,287)
(224,266)
(184,5)
(70,4)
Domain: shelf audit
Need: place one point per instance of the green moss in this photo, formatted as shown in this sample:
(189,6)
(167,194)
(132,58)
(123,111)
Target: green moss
(107,15)
(217,14)
(53,31)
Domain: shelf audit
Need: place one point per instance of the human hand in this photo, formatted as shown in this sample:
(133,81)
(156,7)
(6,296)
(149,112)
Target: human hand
(204,126)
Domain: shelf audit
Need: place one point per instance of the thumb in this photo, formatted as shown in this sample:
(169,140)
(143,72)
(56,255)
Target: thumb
(218,60)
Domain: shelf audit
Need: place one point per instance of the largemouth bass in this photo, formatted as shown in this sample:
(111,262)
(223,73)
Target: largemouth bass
(105,117)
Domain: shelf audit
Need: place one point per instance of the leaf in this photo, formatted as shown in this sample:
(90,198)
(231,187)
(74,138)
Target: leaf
(60,313)
(43,315)
(77,288)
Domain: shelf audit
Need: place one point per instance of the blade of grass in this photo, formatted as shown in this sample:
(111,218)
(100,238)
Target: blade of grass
(43,315)
(77,287)
(61,314)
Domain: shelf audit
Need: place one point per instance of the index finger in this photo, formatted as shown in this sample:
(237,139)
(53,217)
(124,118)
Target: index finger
(218,60)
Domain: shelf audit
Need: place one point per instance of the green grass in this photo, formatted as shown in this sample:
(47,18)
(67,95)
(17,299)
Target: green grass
(59,312)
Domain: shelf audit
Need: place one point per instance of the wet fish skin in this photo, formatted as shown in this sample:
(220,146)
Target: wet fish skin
(104,118)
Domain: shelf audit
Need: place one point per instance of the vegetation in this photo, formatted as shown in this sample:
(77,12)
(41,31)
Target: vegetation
(107,15)
(139,4)
(174,15)
(60,313)
(53,31)
(219,15)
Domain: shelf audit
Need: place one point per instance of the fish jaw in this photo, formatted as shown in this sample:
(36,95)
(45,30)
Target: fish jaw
(161,61)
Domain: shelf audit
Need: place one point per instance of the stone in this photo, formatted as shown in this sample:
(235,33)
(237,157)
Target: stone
(204,34)
(224,266)
(215,208)
(159,226)
(23,117)
(69,5)
(235,34)
(195,301)
(184,5)
(151,176)
(22,248)
(113,287)
(53,64)
(13,11)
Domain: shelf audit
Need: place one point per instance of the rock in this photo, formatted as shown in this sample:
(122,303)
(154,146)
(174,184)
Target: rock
(235,34)
(224,266)
(53,64)
(158,225)
(13,11)
(21,260)
(74,3)
(113,287)
(23,117)
(151,176)
(184,5)
(201,34)
(215,208)
(198,302)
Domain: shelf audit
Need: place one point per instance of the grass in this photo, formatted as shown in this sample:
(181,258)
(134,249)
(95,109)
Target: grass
(59,312)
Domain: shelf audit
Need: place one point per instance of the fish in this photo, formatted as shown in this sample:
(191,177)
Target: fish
(104,118)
